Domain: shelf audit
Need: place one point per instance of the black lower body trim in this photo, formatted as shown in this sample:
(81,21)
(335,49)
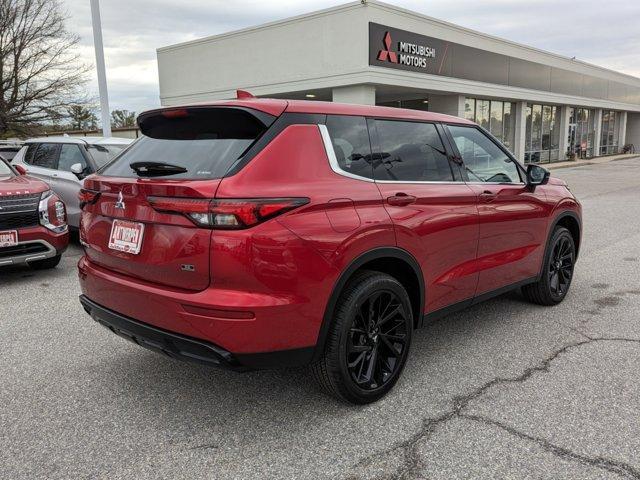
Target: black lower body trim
(456,307)
(182,347)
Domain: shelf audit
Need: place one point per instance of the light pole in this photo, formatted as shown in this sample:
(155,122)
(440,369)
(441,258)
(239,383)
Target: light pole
(102,77)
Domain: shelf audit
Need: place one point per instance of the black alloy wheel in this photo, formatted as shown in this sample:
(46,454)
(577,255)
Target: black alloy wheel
(377,339)
(561,266)
(557,270)
(368,340)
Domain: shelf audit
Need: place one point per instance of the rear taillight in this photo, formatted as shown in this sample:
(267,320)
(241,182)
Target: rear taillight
(52,212)
(87,197)
(228,214)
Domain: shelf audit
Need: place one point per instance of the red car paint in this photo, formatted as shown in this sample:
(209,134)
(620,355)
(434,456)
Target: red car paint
(268,288)
(16,186)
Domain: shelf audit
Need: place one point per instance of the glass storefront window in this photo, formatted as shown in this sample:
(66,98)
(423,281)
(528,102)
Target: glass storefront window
(542,135)
(482,113)
(496,116)
(470,109)
(509,122)
(581,132)
(609,134)
(495,121)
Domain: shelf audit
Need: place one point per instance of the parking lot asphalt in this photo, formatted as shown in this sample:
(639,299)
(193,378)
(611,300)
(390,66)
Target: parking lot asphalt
(505,389)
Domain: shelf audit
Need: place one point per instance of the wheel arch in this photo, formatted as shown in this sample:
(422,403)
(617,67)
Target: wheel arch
(571,221)
(394,261)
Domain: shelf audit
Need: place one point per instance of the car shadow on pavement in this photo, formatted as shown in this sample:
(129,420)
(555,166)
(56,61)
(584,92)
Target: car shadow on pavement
(205,402)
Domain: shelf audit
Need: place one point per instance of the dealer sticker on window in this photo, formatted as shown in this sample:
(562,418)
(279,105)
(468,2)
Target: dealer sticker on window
(126,236)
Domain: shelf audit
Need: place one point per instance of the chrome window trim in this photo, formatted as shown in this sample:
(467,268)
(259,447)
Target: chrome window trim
(333,160)
(495,183)
(437,182)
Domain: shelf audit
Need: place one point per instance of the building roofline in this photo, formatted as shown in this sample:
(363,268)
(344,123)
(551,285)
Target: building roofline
(263,26)
(398,10)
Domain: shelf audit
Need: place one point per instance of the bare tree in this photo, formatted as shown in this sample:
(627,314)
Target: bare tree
(123,118)
(40,73)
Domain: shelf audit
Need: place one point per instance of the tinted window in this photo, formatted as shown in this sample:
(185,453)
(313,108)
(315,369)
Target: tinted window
(46,156)
(31,150)
(70,155)
(350,140)
(411,151)
(484,160)
(103,154)
(204,141)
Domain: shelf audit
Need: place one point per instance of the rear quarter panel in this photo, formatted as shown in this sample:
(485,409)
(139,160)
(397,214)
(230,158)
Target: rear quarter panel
(343,219)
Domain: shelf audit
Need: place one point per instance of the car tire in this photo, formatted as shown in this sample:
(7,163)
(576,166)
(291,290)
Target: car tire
(46,264)
(364,357)
(557,270)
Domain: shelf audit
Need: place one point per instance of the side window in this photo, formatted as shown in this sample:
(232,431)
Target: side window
(350,140)
(46,156)
(31,150)
(484,160)
(70,155)
(410,151)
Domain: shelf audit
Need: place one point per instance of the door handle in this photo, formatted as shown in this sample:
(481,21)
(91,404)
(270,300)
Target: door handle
(401,200)
(488,196)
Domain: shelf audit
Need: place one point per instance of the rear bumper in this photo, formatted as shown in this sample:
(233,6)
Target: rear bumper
(34,243)
(182,347)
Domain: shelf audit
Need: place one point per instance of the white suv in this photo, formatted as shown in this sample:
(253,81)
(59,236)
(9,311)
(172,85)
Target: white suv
(63,162)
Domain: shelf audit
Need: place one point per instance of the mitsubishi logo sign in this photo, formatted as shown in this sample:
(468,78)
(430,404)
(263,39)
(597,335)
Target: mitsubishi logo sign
(405,50)
(387,54)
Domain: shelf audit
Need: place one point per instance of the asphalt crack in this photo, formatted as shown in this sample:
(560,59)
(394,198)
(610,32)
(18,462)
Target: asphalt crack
(619,468)
(409,448)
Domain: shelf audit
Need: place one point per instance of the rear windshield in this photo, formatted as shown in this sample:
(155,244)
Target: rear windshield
(205,142)
(103,154)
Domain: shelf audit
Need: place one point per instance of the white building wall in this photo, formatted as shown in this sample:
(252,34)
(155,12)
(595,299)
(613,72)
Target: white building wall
(302,53)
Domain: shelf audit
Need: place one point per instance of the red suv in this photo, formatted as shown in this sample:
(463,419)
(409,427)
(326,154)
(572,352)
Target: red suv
(33,221)
(259,233)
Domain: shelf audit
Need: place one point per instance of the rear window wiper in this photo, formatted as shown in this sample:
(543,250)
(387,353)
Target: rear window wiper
(156,169)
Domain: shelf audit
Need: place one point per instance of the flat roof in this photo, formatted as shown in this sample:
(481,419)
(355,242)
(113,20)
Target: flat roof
(396,9)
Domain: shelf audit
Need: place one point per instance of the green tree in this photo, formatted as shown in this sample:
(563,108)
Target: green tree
(40,73)
(82,118)
(123,118)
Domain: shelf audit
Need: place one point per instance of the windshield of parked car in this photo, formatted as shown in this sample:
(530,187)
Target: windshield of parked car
(103,154)
(5,170)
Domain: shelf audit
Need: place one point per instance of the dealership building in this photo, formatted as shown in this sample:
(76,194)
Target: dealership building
(543,106)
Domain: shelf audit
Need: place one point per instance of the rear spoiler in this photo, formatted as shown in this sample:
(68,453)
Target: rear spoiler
(203,121)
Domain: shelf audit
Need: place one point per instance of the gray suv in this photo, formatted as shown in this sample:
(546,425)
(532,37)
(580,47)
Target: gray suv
(63,162)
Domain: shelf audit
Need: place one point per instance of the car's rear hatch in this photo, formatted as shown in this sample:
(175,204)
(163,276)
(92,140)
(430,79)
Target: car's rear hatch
(179,162)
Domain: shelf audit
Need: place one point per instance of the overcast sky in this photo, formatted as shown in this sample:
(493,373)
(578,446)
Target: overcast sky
(605,33)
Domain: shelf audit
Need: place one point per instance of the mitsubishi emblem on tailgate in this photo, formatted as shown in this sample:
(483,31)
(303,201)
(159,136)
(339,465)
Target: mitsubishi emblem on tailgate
(120,202)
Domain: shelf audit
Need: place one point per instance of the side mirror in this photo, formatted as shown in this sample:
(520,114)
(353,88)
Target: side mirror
(77,169)
(536,175)
(21,170)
